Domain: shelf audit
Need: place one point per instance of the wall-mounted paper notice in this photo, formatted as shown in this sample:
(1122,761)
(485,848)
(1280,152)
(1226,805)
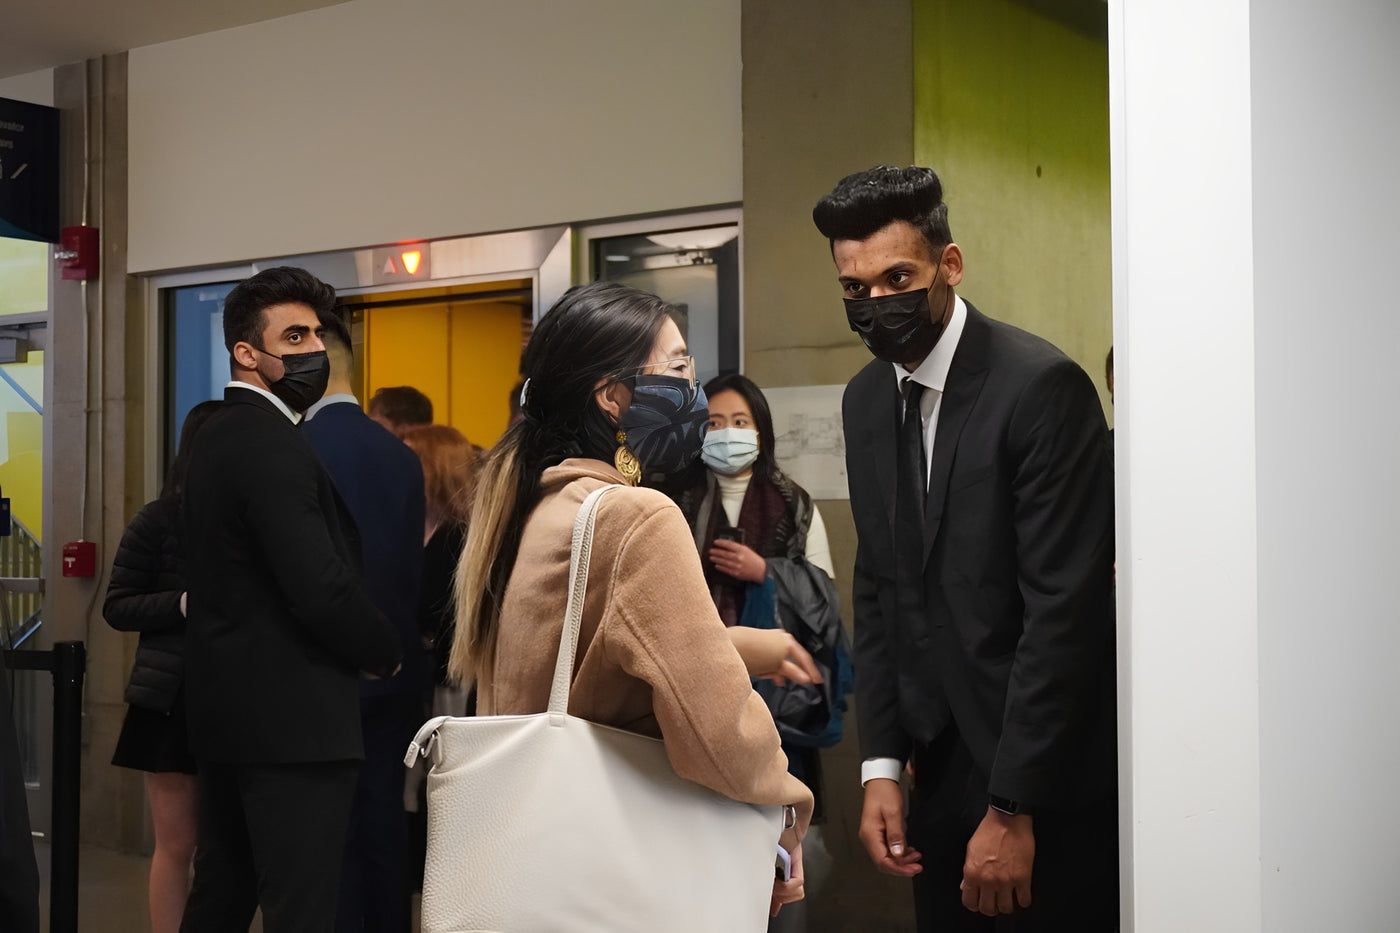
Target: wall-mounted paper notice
(811,447)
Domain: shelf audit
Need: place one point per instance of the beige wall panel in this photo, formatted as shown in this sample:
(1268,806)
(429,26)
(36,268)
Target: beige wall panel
(373,121)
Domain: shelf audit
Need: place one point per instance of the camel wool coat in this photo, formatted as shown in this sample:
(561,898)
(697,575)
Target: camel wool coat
(653,656)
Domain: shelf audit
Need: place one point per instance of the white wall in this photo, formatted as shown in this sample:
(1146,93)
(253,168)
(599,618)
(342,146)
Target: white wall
(378,120)
(1327,326)
(1184,339)
(36,87)
(1255,202)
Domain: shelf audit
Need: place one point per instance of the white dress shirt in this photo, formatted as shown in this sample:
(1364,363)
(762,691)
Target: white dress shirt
(932,374)
(281,405)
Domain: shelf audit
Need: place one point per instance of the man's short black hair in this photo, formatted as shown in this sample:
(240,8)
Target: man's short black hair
(402,405)
(244,306)
(868,201)
(336,328)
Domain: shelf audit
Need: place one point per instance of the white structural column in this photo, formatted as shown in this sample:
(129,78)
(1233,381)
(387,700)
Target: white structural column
(1187,547)
(1256,204)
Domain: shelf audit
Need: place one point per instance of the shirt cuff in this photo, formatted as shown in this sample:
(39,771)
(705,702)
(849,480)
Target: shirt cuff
(872,768)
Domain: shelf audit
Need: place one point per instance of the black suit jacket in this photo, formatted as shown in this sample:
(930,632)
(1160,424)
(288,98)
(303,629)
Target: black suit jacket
(1011,637)
(381,482)
(279,625)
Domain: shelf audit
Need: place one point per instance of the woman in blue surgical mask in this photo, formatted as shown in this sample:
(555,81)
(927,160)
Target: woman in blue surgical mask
(764,549)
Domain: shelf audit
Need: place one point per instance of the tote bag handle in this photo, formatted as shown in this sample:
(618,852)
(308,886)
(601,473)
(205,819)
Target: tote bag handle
(579,555)
(568,638)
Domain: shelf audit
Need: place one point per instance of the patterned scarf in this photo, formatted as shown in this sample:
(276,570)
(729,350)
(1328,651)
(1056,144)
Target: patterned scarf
(774,518)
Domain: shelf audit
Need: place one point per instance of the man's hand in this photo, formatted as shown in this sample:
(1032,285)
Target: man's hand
(997,872)
(739,561)
(882,829)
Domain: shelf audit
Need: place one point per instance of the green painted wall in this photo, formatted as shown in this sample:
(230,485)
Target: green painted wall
(1011,110)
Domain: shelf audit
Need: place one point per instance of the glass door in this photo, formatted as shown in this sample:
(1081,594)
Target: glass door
(692,261)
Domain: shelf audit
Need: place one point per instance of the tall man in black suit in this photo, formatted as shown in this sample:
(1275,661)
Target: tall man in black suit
(381,482)
(980,480)
(279,627)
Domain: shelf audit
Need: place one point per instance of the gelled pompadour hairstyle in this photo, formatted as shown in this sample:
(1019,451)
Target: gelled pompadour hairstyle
(868,201)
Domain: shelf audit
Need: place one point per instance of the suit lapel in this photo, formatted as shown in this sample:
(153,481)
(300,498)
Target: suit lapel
(966,376)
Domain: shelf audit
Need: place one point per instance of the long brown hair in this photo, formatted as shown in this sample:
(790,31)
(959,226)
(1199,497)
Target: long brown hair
(449,470)
(594,333)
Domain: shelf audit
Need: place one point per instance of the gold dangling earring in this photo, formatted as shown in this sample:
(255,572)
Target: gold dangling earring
(626,462)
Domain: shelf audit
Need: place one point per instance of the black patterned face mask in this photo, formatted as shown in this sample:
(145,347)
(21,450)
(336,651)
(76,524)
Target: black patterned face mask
(666,423)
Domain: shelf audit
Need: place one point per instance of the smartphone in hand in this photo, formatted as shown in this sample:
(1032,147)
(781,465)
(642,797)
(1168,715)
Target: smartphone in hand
(730,534)
(782,868)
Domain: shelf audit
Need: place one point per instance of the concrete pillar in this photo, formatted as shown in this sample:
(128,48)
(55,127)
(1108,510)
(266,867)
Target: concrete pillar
(94,422)
(827,90)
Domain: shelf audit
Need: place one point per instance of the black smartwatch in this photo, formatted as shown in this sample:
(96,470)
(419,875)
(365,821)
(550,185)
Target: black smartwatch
(1007,805)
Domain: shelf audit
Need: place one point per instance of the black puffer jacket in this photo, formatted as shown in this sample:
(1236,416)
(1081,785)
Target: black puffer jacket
(144,596)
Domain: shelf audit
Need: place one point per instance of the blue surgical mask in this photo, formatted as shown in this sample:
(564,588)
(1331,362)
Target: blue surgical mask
(730,450)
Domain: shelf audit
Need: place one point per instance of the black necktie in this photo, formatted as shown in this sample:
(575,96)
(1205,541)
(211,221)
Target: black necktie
(911,480)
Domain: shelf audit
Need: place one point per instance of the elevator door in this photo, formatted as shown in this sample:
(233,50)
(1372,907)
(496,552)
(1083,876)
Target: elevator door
(460,346)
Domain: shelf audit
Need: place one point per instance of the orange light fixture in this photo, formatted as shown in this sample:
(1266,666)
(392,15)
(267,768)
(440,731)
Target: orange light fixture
(411,260)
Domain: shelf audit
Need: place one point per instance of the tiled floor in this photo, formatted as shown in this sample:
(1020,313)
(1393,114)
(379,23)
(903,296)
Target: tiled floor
(850,898)
(111,891)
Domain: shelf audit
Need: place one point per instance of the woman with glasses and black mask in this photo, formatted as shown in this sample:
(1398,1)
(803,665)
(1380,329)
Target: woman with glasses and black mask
(609,395)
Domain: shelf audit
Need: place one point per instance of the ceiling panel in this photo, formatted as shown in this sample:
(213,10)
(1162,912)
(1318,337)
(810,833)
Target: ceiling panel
(46,33)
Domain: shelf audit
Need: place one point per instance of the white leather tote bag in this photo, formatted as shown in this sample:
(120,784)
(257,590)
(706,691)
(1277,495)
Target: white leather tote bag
(548,823)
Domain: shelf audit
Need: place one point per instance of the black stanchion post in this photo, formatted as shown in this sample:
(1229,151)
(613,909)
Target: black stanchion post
(69,667)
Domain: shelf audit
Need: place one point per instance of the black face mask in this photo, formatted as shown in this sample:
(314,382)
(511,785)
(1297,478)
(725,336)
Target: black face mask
(304,378)
(897,328)
(665,425)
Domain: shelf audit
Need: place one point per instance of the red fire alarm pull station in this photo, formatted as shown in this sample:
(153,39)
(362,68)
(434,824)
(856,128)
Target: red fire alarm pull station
(80,559)
(79,255)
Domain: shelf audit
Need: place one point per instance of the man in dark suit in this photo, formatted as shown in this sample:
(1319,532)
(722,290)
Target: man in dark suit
(279,627)
(381,482)
(980,480)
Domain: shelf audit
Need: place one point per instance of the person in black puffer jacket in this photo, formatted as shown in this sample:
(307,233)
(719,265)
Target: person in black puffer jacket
(146,594)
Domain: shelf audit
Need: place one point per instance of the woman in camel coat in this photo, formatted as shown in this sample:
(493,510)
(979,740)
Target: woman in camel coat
(610,397)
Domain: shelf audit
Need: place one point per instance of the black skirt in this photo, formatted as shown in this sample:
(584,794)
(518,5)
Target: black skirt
(152,741)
